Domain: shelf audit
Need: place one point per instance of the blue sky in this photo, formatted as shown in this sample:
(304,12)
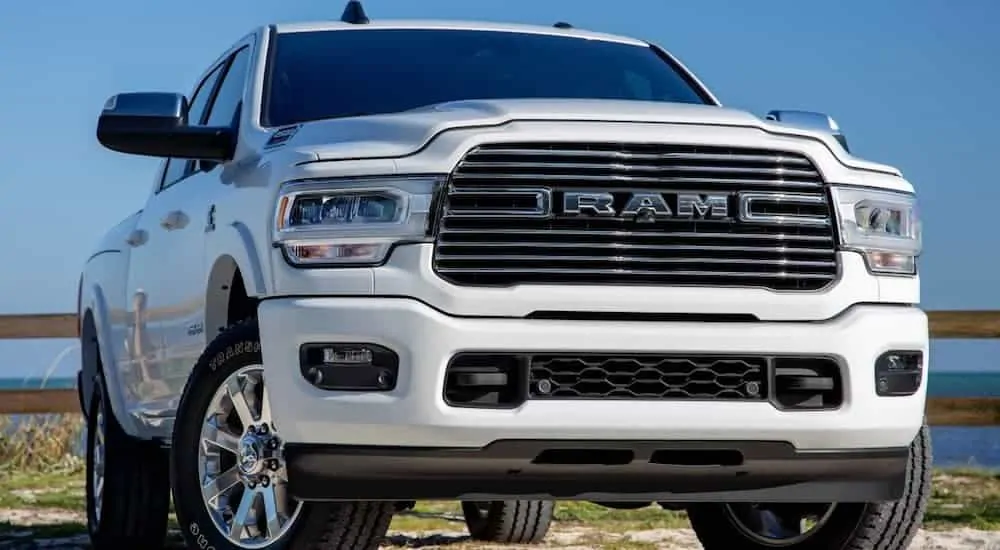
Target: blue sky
(913,83)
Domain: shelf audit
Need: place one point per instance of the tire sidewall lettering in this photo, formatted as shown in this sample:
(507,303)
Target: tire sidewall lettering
(200,540)
(234,350)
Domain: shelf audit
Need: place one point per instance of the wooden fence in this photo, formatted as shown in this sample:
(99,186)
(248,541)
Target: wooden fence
(941,411)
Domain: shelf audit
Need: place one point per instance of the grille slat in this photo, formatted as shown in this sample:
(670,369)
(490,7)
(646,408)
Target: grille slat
(624,272)
(616,177)
(638,234)
(631,259)
(500,151)
(555,169)
(505,219)
(631,246)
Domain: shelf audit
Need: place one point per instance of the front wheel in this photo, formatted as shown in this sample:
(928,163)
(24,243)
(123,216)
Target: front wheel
(871,526)
(229,478)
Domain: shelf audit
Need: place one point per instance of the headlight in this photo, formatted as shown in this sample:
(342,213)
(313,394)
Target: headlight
(881,225)
(351,222)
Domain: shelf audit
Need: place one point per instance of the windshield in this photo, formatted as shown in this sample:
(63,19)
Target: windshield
(328,74)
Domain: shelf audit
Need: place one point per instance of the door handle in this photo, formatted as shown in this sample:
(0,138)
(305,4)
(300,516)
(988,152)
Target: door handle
(210,223)
(137,238)
(174,220)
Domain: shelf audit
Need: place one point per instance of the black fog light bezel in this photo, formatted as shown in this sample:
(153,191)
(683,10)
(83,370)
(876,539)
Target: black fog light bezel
(899,373)
(381,375)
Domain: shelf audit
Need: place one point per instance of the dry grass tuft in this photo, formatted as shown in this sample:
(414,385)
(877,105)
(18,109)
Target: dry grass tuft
(41,443)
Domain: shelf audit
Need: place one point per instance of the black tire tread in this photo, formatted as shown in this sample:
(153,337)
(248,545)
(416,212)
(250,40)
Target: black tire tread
(356,526)
(893,525)
(323,526)
(512,521)
(880,526)
(136,488)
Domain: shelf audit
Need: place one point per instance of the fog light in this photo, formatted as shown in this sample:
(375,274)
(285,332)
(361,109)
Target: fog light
(339,355)
(349,366)
(898,373)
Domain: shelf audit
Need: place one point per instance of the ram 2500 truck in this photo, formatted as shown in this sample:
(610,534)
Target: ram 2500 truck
(384,262)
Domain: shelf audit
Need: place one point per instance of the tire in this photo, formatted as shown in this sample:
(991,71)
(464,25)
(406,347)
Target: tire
(235,356)
(871,526)
(128,485)
(509,521)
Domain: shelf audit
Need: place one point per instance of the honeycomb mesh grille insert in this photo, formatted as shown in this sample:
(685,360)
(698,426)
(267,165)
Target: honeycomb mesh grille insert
(647,377)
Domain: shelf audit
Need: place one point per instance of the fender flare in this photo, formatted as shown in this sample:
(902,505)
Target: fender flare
(96,308)
(237,242)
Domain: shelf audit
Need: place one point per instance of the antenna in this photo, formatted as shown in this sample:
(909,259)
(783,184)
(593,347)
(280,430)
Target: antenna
(563,25)
(354,13)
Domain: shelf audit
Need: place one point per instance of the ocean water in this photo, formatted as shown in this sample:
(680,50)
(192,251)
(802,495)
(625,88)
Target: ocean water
(973,447)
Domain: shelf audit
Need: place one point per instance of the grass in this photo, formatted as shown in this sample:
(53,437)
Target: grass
(40,471)
(40,443)
(965,498)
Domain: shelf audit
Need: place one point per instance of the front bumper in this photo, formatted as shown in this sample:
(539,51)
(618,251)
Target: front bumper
(409,444)
(414,414)
(650,471)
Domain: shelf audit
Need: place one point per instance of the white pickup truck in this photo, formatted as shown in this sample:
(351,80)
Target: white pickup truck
(385,262)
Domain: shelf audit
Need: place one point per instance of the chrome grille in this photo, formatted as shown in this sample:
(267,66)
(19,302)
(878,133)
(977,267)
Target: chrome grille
(503,221)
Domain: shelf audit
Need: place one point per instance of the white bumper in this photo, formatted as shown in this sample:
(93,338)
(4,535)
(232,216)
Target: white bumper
(415,414)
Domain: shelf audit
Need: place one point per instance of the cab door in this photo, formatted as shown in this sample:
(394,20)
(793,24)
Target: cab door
(166,278)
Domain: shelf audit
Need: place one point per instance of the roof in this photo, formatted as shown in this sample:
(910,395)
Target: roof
(311,26)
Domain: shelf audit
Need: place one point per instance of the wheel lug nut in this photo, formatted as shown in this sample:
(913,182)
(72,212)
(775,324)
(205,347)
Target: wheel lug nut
(251,429)
(273,465)
(263,428)
(252,485)
(265,481)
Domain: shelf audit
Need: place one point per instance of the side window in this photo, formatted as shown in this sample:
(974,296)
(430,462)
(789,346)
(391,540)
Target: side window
(230,94)
(199,102)
(178,169)
(174,172)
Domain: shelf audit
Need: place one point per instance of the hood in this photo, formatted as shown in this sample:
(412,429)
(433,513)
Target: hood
(400,134)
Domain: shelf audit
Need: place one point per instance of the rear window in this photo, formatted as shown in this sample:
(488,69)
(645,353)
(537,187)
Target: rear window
(329,74)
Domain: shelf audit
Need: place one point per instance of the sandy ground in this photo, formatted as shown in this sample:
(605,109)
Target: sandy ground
(569,538)
(680,539)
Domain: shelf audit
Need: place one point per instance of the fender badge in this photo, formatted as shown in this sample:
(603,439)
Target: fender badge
(281,136)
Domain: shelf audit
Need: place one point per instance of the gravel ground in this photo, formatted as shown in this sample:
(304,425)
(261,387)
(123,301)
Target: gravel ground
(569,538)
(679,539)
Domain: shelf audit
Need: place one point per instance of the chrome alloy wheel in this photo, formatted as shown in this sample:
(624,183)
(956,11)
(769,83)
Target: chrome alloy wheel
(97,469)
(241,464)
(779,526)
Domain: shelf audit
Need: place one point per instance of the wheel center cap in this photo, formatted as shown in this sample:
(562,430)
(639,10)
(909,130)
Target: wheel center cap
(250,456)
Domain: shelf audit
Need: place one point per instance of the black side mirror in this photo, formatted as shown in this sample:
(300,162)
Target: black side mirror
(809,120)
(155,124)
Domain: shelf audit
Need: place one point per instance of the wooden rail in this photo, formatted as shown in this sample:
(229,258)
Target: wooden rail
(941,411)
(964,324)
(38,325)
(35,401)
